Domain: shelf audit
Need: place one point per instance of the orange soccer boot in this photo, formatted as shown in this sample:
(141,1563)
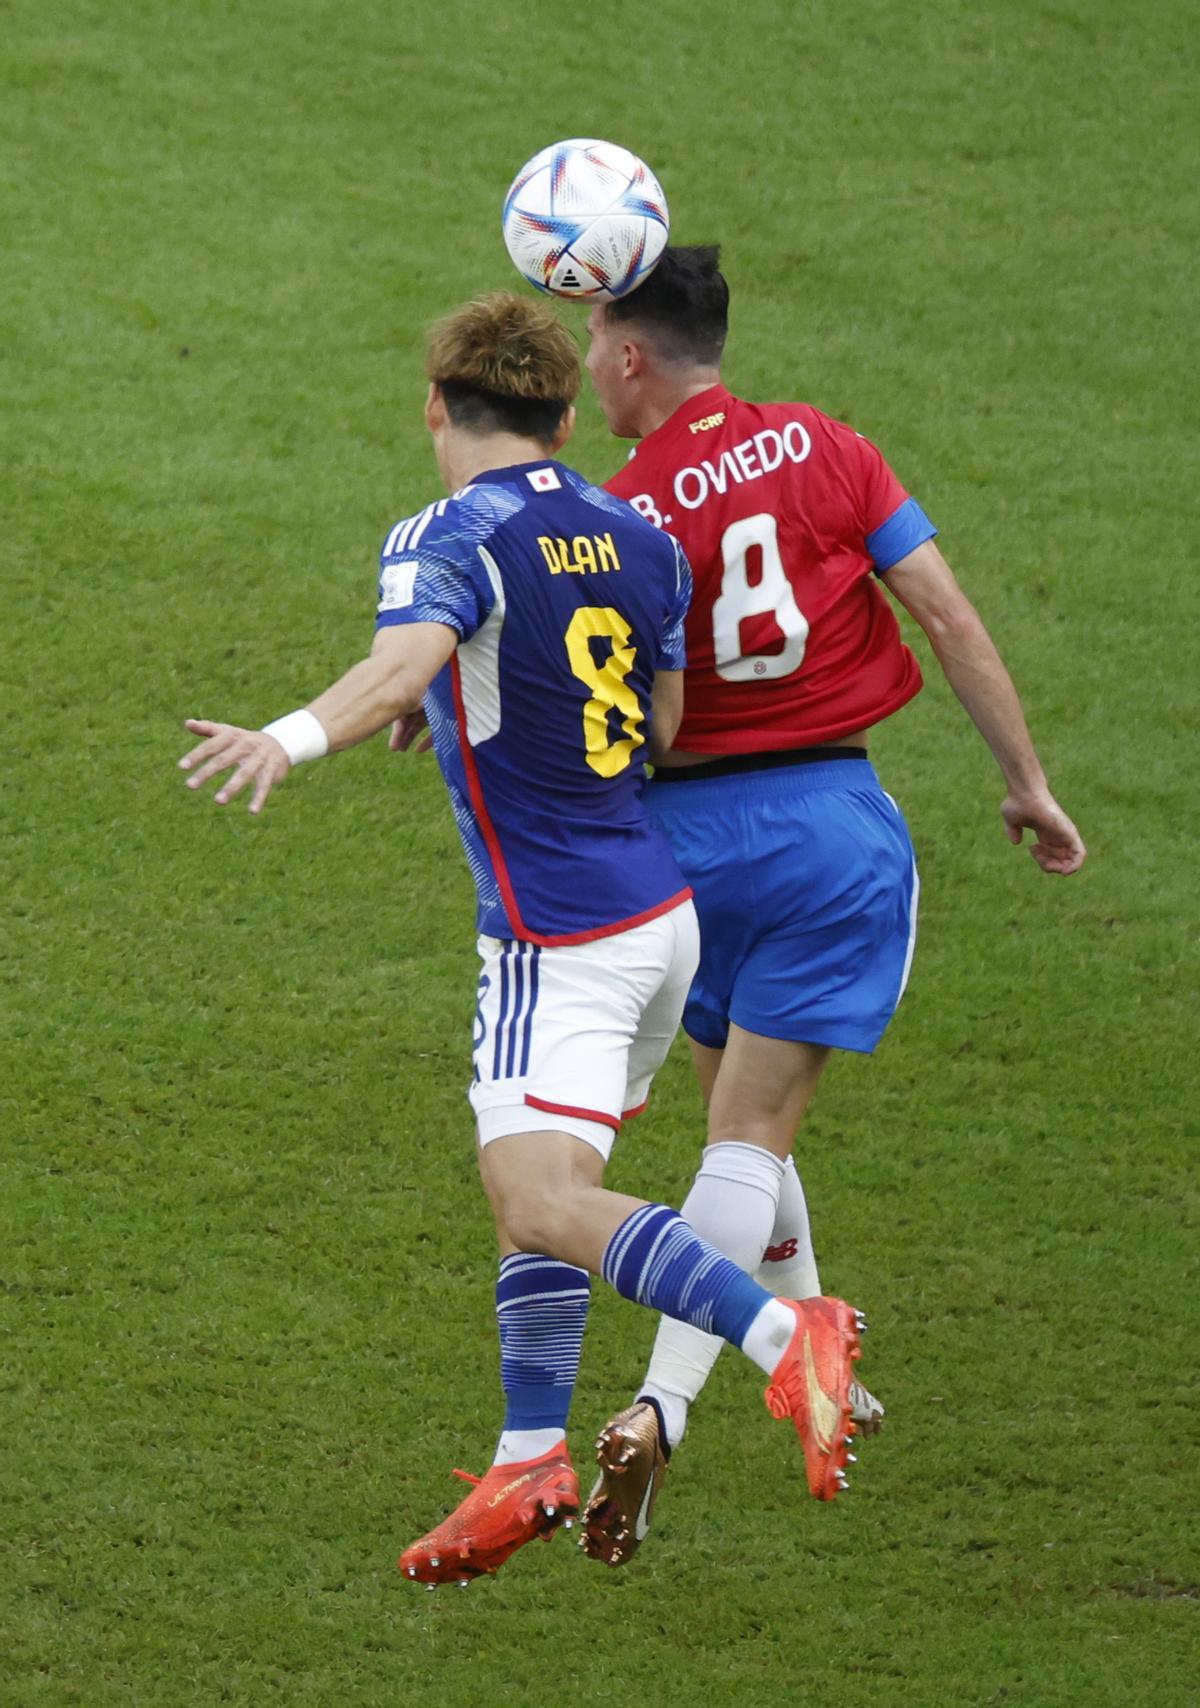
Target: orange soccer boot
(507,1508)
(811,1384)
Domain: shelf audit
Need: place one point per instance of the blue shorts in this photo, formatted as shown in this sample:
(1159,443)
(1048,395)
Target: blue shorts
(806,888)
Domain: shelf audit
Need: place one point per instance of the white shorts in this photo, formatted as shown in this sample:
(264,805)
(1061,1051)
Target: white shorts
(567,1040)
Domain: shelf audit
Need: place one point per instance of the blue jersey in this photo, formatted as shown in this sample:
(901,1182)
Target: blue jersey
(565,603)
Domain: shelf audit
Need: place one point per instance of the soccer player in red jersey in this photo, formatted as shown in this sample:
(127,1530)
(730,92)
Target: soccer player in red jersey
(801,865)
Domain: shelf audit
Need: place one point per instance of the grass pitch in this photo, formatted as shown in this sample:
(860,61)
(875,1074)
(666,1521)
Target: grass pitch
(246,1269)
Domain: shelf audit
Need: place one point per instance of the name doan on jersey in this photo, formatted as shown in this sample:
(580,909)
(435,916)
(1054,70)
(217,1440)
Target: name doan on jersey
(584,554)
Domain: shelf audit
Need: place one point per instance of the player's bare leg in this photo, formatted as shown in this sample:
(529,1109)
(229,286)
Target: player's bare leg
(760,1089)
(747,1200)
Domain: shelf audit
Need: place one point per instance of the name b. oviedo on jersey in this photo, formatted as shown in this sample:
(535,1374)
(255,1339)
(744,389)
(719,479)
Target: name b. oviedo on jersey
(755,457)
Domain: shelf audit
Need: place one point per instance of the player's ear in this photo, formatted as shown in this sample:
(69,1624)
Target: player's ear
(563,431)
(435,408)
(632,361)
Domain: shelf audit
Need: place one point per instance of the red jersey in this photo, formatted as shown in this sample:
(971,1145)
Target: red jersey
(785,516)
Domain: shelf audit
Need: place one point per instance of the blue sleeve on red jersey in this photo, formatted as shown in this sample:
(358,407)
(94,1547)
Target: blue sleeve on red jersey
(905,529)
(672,652)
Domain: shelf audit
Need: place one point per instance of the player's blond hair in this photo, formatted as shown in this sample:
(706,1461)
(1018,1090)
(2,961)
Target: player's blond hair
(510,346)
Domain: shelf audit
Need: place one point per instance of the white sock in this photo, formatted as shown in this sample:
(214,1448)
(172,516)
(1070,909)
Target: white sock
(732,1205)
(789,1267)
(768,1335)
(516,1445)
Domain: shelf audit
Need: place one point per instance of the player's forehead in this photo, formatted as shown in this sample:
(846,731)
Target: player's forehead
(596,320)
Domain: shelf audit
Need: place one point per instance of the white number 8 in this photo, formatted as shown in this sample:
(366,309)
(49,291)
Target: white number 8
(738,600)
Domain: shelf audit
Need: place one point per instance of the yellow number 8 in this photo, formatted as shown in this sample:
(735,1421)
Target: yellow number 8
(610,691)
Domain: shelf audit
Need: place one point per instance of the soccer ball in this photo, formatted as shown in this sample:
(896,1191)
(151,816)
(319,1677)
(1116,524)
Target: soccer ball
(585,219)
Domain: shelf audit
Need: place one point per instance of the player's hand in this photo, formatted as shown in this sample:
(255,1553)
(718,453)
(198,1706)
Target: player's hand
(253,756)
(412,730)
(1057,846)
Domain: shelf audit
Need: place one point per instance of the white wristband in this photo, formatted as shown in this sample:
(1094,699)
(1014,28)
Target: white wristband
(301,736)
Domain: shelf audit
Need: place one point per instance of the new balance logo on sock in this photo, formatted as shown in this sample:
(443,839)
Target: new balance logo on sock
(781,1253)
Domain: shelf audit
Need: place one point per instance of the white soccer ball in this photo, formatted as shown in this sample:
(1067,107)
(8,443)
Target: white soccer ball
(585,219)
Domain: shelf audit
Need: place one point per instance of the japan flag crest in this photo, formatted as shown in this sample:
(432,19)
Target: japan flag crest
(543,480)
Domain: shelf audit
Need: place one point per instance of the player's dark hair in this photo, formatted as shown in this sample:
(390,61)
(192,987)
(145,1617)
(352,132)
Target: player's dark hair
(683,305)
(505,364)
(481,411)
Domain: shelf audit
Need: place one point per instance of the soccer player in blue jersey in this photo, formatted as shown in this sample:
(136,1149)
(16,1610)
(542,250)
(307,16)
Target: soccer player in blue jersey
(536,621)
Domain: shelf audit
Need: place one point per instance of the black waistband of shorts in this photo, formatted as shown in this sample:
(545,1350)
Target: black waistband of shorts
(731,763)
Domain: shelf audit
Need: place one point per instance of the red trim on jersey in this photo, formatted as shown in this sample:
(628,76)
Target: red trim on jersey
(628,1114)
(492,842)
(613,930)
(613,1121)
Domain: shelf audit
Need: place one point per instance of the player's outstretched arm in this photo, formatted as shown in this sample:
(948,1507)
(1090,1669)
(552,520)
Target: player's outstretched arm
(924,584)
(374,693)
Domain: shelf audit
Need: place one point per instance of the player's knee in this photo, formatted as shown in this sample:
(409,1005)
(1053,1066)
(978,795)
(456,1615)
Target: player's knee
(772,1132)
(531,1216)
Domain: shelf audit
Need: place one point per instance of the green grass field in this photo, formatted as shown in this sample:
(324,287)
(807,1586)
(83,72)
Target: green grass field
(245,1267)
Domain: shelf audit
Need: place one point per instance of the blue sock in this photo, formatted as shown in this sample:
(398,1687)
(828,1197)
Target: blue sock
(655,1259)
(541,1306)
